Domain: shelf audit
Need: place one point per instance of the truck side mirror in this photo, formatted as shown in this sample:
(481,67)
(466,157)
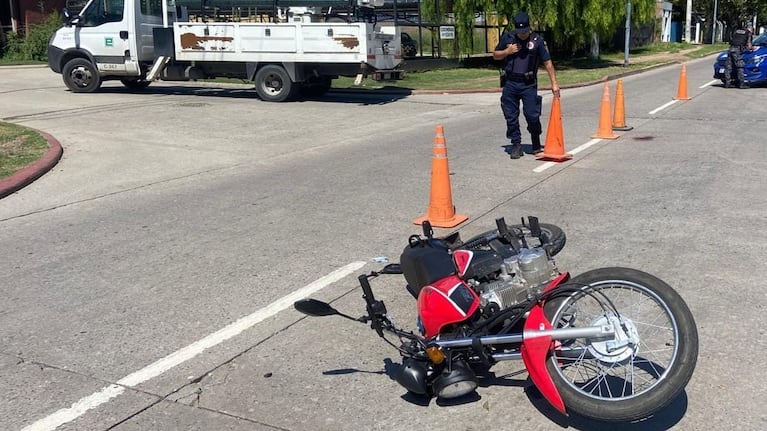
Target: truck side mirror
(69,19)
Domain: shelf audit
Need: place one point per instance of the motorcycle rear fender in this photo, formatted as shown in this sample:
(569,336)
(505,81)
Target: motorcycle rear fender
(535,350)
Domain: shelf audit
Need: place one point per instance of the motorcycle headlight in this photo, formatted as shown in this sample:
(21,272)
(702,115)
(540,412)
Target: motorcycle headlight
(457,382)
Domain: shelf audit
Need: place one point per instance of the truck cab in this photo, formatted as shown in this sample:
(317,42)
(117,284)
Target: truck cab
(107,39)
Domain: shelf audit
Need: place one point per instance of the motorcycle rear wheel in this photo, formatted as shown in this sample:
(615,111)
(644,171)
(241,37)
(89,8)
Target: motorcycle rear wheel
(650,363)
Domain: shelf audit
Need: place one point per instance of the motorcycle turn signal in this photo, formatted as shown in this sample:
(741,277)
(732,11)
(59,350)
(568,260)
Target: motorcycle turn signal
(436,355)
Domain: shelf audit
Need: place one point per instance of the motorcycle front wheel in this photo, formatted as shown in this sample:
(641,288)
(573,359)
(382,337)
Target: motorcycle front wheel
(644,367)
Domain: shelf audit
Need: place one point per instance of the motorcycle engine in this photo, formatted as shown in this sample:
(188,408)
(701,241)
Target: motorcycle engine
(520,278)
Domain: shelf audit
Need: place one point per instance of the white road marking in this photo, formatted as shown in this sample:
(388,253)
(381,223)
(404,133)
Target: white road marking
(584,146)
(712,82)
(574,151)
(105,394)
(663,107)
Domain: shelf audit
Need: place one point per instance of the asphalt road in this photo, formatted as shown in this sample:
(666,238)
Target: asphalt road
(145,281)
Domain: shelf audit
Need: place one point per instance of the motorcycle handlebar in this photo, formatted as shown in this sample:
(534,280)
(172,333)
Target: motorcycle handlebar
(374,307)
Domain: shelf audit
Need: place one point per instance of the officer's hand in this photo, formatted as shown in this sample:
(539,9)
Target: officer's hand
(512,48)
(555,90)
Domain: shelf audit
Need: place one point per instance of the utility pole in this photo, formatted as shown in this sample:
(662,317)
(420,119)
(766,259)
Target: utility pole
(713,23)
(628,34)
(14,21)
(687,21)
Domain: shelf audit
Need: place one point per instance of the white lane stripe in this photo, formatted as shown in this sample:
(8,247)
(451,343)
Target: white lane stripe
(712,82)
(77,409)
(576,150)
(584,146)
(663,107)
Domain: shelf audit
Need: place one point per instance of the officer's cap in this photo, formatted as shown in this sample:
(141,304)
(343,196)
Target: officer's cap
(521,23)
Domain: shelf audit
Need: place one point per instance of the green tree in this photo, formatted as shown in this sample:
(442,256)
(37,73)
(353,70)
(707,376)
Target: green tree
(570,24)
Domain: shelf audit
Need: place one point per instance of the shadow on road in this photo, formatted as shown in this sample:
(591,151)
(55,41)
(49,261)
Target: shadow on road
(662,420)
(360,97)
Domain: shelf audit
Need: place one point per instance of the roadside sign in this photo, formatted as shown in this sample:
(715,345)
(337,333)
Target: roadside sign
(446,32)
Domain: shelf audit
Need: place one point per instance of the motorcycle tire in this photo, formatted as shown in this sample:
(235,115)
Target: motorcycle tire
(647,367)
(556,238)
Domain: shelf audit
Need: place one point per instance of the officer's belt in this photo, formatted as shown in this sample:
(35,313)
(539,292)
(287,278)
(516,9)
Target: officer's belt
(515,77)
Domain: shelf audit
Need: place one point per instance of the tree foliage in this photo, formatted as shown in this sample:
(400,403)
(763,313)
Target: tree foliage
(569,24)
(33,46)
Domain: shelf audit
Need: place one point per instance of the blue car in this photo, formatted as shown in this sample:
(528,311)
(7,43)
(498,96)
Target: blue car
(755,69)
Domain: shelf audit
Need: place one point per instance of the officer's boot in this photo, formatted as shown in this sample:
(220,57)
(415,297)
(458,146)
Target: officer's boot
(516,151)
(536,139)
(741,79)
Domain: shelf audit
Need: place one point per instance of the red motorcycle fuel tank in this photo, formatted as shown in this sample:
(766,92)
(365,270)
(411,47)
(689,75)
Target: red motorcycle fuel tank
(444,302)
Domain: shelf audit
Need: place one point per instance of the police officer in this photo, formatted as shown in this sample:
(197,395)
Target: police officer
(740,41)
(521,51)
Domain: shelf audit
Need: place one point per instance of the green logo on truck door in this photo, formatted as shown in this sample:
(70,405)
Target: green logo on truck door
(108,41)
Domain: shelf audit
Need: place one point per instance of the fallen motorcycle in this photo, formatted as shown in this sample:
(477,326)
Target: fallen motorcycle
(613,344)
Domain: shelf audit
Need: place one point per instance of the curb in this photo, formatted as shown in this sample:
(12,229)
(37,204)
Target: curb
(34,170)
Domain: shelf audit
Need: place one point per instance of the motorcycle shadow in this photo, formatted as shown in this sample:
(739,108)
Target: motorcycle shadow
(390,369)
(662,420)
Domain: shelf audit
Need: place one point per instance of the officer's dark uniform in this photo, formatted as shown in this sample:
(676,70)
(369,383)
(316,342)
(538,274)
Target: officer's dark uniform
(521,84)
(739,40)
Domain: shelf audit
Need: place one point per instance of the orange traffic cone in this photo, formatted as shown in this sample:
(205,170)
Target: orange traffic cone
(605,124)
(554,148)
(441,212)
(619,115)
(681,92)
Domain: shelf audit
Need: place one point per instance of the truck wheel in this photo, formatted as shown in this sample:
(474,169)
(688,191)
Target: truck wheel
(134,84)
(81,76)
(273,84)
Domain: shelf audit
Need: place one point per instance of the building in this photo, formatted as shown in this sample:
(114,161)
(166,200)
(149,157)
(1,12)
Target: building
(16,15)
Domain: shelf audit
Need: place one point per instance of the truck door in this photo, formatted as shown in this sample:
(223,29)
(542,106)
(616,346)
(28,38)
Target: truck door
(148,16)
(103,29)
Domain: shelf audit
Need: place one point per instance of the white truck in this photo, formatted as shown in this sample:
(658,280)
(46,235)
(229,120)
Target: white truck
(139,41)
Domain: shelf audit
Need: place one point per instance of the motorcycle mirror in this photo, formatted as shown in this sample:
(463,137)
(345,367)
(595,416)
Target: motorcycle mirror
(313,307)
(392,268)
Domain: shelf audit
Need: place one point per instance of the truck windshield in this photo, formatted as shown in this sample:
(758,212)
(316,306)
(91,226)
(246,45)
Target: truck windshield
(99,12)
